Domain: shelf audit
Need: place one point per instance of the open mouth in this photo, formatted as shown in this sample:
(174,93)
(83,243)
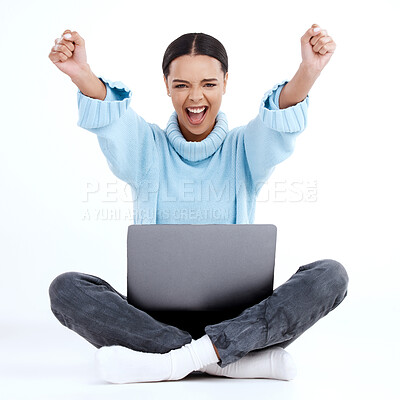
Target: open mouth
(196,115)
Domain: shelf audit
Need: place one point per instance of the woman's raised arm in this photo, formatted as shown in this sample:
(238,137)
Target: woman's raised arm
(270,138)
(69,55)
(316,51)
(126,139)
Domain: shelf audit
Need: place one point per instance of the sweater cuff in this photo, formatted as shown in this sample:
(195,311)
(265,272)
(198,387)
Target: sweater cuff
(95,113)
(291,119)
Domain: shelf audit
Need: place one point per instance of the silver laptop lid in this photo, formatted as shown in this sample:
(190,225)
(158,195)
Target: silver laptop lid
(200,267)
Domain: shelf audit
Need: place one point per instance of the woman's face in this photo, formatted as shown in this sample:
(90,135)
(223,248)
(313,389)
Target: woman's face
(196,85)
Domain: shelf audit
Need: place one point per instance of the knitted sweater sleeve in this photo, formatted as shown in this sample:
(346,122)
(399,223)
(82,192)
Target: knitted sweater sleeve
(126,139)
(269,138)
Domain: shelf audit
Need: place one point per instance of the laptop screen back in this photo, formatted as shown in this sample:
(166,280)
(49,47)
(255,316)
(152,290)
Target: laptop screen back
(200,267)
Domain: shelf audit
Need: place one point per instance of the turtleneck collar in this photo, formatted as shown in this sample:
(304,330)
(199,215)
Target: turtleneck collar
(196,151)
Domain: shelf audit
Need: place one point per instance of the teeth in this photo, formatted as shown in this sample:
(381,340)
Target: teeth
(196,110)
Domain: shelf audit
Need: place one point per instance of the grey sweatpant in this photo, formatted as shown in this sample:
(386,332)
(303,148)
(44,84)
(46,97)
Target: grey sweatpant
(92,308)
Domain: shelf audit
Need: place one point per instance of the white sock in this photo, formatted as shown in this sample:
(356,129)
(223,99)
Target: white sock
(273,363)
(117,364)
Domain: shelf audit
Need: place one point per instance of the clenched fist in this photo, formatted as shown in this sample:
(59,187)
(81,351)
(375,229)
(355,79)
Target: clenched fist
(69,54)
(317,48)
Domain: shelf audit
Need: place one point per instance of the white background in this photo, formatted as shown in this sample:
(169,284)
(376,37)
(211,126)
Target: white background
(349,153)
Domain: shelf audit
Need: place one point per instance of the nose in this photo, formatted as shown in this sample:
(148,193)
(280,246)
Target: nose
(196,94)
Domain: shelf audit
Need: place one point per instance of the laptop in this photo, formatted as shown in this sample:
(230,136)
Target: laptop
(193,275)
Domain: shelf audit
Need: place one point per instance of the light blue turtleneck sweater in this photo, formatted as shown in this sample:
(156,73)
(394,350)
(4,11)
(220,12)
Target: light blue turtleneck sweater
(173,181)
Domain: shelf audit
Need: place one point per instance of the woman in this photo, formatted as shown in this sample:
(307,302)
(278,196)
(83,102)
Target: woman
(227,170)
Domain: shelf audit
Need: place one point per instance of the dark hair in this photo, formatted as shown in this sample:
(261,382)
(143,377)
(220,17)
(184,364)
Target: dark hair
(195,44)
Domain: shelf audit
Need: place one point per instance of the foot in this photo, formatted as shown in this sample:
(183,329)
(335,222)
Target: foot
(272,363)
(117,364)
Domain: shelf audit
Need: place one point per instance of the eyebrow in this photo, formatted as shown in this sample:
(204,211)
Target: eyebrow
(204,80)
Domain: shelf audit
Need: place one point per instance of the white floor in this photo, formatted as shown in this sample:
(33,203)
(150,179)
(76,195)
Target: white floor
(352,353)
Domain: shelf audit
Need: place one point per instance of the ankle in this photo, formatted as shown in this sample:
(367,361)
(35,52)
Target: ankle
(216,352)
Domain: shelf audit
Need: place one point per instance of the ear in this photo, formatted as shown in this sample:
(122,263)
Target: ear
(166,85)
(225,82)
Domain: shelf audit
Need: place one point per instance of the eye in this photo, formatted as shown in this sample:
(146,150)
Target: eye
(210,85)
(179,86)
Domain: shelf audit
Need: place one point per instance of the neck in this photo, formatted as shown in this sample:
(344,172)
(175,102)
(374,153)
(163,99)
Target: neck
(191,137)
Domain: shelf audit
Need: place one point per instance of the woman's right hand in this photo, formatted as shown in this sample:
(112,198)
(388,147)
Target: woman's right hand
(69,54)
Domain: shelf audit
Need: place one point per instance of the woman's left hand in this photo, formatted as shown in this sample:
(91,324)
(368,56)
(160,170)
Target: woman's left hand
(316,48)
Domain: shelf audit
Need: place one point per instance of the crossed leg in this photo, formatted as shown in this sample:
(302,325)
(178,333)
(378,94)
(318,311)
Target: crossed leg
(93,309)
